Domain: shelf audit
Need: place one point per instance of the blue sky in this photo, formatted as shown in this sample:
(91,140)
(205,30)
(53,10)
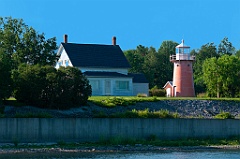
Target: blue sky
(133,22)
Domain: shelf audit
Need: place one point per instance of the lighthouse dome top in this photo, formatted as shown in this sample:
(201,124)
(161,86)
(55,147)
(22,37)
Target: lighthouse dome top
(182,45)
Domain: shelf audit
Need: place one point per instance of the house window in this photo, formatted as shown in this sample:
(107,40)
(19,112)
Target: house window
(94,84)
(122,85)
(66,62)
(60,63)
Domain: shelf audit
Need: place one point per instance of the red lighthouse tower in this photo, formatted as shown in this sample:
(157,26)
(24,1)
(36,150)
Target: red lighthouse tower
(183,85)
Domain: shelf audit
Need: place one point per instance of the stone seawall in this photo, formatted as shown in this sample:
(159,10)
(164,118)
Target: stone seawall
(43,130)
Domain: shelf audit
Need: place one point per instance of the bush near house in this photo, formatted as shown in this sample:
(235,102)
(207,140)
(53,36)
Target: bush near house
(46,87)
(155,91)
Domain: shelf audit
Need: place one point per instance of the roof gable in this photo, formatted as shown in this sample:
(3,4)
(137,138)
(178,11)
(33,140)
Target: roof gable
(94,55)
(168,83)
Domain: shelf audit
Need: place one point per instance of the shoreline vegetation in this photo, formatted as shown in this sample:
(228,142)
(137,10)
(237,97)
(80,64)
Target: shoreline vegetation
(123,145)
(132,107)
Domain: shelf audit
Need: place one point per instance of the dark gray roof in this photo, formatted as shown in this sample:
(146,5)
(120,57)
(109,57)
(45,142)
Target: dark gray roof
(94,55)
(104,74)
(138,78)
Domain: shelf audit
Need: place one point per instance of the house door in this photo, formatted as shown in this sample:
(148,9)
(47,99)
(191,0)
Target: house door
(107,87)
(168,92)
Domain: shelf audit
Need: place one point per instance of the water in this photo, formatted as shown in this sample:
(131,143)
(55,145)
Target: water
(136,155)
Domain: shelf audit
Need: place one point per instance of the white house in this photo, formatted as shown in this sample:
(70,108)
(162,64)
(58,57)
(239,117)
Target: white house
(105,66)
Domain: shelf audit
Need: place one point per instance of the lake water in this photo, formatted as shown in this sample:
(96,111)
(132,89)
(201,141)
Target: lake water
(135,155)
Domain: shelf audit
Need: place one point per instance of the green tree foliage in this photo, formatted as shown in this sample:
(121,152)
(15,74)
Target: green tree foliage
(221,76)
(142,60)
(19,45)
(149,66)
(238,53)
(46,87)
(30,83)
(24,44)
(206,51)
(5,79)
(225,47)
(164,70)
(73,87)
(135,60)
(154,64)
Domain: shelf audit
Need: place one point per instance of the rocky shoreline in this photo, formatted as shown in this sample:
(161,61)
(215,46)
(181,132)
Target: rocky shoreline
(185,108)
(118,148)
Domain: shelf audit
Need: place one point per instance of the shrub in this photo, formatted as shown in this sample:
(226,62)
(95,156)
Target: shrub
(46,87)
(202,95)
(113,101)
(146,114)
(141,95)
(164,114)
(157,92)
(224,115)
(100,114)
(73,88)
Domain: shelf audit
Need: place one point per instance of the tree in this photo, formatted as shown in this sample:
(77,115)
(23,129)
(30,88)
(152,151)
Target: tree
(5,80)
(154,64)
(238,53)
(135,60)
(230,73)
(24,44)
(225,47)
(164,68)
(206,51)
(221,76)
(149,66)
(46,87)
(73,87)
(30,84)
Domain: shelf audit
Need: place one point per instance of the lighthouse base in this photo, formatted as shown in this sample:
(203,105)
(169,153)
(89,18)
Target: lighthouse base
(183,79)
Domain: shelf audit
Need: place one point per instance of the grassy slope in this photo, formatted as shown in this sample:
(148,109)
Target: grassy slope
(109,101)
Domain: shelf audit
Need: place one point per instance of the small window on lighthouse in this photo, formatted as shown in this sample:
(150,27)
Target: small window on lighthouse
(181,50)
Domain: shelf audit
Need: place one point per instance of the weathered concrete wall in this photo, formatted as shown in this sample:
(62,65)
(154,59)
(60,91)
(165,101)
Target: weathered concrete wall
(94,129)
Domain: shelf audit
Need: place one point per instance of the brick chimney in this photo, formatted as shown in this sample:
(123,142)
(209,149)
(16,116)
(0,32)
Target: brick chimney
(65,38)
(114,40)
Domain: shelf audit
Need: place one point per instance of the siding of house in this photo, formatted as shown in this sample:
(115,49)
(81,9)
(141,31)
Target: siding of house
(167,87)
(140,88)
(63,60)
(102,90)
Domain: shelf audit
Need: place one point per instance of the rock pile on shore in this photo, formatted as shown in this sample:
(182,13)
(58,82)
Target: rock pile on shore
(185,108)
